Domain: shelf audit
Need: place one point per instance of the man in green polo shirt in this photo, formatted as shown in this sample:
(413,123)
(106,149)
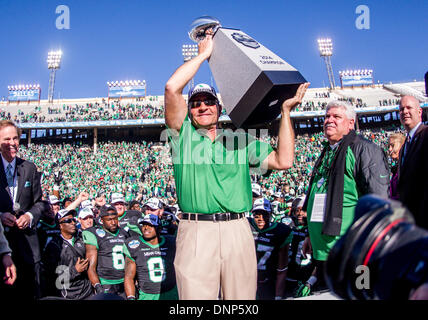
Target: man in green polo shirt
(215,247)
(348,168)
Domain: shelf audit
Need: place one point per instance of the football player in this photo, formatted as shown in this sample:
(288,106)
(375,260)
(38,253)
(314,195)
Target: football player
(104,249)
(47,228)
(150,260)
(272,245)
(300,268)
(169,221)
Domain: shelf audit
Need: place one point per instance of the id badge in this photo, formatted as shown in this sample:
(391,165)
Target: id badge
(318,207)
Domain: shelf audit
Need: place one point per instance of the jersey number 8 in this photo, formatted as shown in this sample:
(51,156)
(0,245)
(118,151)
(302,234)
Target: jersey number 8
(156,269)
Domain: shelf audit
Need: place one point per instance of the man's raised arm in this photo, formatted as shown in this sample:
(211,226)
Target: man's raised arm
(175,105)
(282,158)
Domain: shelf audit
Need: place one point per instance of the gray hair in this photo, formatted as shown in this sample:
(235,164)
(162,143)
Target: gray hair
(349,109)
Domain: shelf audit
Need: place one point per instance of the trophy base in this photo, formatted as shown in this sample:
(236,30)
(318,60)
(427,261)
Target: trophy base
(263,100)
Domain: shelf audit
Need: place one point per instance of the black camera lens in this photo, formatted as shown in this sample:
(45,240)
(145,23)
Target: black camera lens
(384,248)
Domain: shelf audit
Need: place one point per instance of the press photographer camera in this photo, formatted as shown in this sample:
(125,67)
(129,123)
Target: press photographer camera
(384,243)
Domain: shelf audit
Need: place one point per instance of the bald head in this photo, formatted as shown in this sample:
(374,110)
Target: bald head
(410,112)
(409,99)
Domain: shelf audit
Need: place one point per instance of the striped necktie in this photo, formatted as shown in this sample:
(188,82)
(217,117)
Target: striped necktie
(9,175)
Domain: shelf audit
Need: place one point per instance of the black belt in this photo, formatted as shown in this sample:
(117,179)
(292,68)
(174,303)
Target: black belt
(213,216)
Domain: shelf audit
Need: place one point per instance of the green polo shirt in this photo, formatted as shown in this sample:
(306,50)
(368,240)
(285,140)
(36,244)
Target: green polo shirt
(321,243)
(213,176)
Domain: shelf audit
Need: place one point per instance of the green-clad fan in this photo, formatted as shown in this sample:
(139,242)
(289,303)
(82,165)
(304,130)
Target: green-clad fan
(272,244)
(127,218)
(150,260)
(281,210)
(104,249)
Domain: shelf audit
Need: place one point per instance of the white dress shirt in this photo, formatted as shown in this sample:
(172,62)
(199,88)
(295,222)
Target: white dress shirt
(413,131)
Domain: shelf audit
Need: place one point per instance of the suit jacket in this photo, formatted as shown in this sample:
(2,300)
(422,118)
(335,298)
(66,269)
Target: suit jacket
(24,243)
(413,177)
(4,245)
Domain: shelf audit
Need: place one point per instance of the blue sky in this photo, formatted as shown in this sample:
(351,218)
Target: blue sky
(141,39)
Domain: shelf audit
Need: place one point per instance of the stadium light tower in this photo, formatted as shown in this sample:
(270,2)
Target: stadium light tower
(325,47)
(54,63)
(189,52)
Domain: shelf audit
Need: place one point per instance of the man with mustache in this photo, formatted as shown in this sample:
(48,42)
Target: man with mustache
(348,168)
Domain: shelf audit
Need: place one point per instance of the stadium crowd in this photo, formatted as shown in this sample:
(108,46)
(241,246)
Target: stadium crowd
(88,112)
(132,168)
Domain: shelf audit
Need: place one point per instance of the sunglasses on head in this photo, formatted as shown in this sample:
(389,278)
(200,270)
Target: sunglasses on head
(207,102)
(70,220)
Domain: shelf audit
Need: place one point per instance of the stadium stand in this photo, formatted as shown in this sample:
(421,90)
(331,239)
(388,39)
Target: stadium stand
(415,89)
(151,107)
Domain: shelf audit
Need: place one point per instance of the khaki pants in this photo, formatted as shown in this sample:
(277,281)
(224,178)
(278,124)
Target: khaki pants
(213,255)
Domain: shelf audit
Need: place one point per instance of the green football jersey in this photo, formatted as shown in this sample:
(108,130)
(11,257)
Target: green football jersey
(155,266)
(268,242)
(111,262)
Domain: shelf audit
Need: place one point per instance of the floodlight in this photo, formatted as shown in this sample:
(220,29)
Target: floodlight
(54,63)
(325,47)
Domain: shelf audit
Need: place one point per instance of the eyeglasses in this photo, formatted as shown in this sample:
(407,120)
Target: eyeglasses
(207,102)
(68,221)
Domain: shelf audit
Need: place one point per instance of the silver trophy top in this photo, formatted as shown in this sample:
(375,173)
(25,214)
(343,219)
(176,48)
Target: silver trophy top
(200,25)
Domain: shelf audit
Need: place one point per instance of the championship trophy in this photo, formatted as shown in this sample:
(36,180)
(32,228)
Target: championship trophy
(252,80)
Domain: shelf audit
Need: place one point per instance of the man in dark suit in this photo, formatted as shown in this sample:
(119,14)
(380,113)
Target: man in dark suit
(413,170)
(20,211)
